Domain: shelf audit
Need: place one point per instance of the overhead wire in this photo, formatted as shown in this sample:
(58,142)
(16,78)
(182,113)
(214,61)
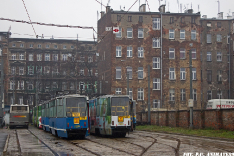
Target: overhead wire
(29,18)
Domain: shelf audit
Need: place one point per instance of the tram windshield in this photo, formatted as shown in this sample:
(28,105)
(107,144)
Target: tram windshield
(76,107)
(19,108)
(120,106)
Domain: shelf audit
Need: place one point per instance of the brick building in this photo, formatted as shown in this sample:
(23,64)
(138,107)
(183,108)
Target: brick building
(37,69)
(217,57)
(154,44)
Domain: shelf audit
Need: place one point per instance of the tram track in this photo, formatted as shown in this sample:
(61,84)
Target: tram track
(19,145)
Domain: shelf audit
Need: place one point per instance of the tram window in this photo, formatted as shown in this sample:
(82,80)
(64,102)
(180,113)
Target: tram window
(119,106)
(76,105)
(22,108)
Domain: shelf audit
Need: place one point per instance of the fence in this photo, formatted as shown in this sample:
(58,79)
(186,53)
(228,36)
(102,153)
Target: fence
(216,119)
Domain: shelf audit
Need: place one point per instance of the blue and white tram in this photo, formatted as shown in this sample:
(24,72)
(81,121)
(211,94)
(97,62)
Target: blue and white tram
(68,116)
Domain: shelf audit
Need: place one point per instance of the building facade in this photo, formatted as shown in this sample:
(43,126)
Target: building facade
(152,48)
(217,57)
(37,70)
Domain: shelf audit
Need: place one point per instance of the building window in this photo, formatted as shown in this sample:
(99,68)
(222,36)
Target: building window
(13,56)
(156,84)
(30,70)
(209,56)
(39,57)
(31,46)
(21,56)
(192,19)
(182,34)
(208,38)
(193,35)
(129,18)
(219,56)
(182,95)
(171,20)
(219,24)
(140,94)
(140,19)
(129,51)
(118,72)
(55,46)
(156,103)
(219,94)
(156,42)
(171,73)
(39,46)
(12,85)
(47,57)
(129,71)
(21,100)
(119,34)
(13,45)
(130,93)
(64,47)
(21,85)
(30,57)
(64,57)
(47,46)
(118,17)
(140,72)
(129,32)
(140,33)
(140,52)
(13,70)
(182,74)
(209,95)
(219,75)
(118,51)
(82,73)
(46,70)
(21,45)
(194,74)
(90,59)
(118,91)
(72,47)
(209,76)
(156,63)
(219,38)
(55,57)
(194,53)
(182,53)
(171,34)
(171,94)
(171,53)
(156,24)
(21,70)
(194,94)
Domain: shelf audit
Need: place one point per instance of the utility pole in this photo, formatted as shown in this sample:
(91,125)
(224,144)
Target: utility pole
(127,83)
(149,95)
(191,88)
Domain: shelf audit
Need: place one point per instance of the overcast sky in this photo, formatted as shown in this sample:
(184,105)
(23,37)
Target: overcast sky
(84,13)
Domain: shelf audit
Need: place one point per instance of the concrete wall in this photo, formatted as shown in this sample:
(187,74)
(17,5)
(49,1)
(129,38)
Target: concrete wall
(215,119)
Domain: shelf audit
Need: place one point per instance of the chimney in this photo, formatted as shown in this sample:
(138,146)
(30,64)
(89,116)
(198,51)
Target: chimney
(107,9)
(204,16)
(220,15)
(142,8)
(229,17)
(190,11)
(102,13)
(162,8)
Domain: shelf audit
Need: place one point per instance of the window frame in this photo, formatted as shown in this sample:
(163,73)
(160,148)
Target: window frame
(129,51)
(156,83)
(156,23)
(140,52)
(156,62)
(171,34)
(172,73)
(171,53)
(118,73)
(182,74)
(182,34)
(140,32)
(140,74)
(118,51)
(140,94)
(129,32)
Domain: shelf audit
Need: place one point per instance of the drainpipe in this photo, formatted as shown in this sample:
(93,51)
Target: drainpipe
(161,60)
(229,75)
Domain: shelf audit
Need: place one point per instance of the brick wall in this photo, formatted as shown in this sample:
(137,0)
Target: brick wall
(216,119)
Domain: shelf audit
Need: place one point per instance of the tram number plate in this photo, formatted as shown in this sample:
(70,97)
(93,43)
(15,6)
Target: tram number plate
(77,126)
(120,123)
